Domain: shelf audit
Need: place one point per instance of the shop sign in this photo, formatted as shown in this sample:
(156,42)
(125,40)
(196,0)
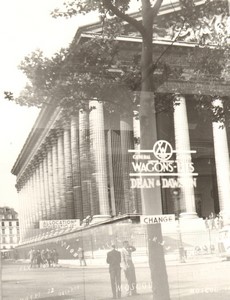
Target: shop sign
(59,224)
(157,168)
(156,219)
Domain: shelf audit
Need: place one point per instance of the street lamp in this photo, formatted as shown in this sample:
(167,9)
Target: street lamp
(176,199)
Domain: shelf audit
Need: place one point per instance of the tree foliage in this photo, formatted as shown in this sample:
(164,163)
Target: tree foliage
(94,69)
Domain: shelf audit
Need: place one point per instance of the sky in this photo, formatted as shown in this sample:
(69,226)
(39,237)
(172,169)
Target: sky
(25,25)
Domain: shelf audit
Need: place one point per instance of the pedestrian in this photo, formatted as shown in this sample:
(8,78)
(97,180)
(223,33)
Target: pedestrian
(32,257)
(39,258)
(55,257)
(81,256)
(128,267)
(114,260)
(44,257)
(48,257)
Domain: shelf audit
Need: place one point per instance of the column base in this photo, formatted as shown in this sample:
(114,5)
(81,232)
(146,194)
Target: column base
(225,216)
(100,218)
(191,224)
(188,215)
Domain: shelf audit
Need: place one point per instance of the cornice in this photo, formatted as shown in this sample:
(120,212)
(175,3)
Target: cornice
(44,123)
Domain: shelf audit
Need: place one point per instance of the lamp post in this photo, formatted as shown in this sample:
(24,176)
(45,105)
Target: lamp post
(176,199)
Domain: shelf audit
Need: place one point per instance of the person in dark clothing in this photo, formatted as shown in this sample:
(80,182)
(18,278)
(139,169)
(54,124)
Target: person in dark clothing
(128,266)
(39,258)
(114,260)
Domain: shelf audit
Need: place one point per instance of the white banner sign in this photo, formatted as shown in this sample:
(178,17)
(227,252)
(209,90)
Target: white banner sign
(49,224)
(159,167)
(155,219)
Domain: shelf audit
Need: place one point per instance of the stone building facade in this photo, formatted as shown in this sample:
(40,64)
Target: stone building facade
(9,228)
(85,164)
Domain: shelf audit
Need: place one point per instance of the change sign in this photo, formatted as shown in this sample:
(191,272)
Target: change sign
(155,219)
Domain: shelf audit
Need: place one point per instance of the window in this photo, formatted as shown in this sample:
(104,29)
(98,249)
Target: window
(17,223)
(10,223)
(3,231)
(3,223)
(11,231)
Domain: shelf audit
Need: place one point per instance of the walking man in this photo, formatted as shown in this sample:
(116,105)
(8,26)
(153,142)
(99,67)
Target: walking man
(81,256)
(114,260)
(128,267)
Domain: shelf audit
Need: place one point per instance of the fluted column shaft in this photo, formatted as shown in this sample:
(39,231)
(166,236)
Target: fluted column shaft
(33,201)
(30,203)
(40,209)
(26,205)
(126,128)
(55,177)
(50,180)
(46,186)
(68,172)
(182,142)
(222,162)
(78,207)
(84,161)
(21,194)
(61,174)
(37,195)
(137,136)
(41,185)
(97,137)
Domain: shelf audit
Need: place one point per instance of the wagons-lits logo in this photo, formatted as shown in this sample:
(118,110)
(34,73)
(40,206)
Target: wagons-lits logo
(162,150)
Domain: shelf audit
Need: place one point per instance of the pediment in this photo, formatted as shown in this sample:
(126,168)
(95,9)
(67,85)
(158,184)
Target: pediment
(213,28)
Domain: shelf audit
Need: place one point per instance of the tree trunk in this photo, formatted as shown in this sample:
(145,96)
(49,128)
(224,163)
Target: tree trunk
(151,201)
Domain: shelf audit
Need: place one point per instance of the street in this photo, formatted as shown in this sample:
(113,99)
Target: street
(196,281)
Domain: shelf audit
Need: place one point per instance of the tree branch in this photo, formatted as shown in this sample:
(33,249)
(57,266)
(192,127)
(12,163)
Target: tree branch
(108,5)
(156,7)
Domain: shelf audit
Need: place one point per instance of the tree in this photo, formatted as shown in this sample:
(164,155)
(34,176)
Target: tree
(65,76)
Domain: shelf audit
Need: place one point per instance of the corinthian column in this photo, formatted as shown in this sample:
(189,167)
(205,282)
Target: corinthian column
(84,161)
(55,176)
(68,172)
(32,201)
(61,174)
(137,135)
(78,207)
(42,186)
(46,183)
(98,152)
(126,128)
(20,189)
(37,194)
(184,161)
(26,202)
(50,179)
(222,163)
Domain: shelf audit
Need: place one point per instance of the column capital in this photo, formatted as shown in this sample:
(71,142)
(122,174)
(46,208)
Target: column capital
(53,137)
(48,143)
(40,155)
(43,151)
(35,160)
(60,132)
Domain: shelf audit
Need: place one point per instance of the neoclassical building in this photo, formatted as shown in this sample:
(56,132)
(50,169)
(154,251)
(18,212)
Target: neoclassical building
(91,164)
(9,228)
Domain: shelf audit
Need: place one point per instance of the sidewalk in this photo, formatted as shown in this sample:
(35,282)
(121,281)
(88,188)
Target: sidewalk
(142,261)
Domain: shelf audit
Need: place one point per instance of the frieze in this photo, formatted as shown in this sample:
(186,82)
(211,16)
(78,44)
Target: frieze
(195,88)
(212,29)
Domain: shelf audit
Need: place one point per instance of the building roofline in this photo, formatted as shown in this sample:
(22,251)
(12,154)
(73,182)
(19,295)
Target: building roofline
(88,31)
(95,27)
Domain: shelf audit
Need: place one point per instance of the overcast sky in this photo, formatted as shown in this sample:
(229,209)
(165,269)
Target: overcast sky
(25,25)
